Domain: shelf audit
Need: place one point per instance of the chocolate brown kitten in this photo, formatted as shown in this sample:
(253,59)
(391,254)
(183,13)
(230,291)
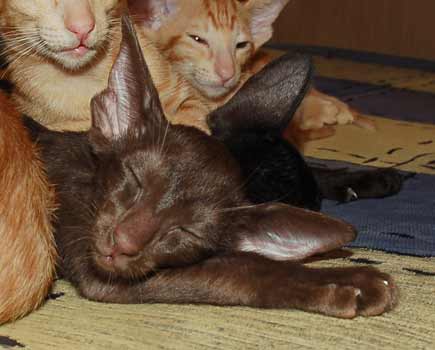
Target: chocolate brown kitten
(152,212)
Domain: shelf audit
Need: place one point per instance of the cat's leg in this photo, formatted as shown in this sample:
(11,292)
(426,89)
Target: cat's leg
(250,280)
(343,185)
(319,110)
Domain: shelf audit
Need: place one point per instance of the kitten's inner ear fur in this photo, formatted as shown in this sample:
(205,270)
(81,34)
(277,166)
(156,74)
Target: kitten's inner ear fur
(131,99)
(282,232)
(153,13)
(262,15)
(268,100)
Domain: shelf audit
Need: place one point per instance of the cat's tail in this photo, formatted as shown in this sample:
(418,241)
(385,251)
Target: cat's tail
(27,250)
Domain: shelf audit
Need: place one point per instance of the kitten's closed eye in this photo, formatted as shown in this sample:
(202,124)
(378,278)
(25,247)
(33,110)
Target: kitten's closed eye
(134,176)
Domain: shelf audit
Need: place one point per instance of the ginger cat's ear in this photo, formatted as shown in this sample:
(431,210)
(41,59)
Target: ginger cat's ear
(262,15)
(281,232)
(152,13)
(267,101)
(131,100)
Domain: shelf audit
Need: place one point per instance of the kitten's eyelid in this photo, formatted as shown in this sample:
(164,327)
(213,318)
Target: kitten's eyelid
(136,178)
(190,231)
(242,44)
(186,230)
(198,39)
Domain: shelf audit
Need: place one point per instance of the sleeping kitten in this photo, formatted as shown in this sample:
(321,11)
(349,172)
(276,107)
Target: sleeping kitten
(27,251)
(219,50)
(156,213)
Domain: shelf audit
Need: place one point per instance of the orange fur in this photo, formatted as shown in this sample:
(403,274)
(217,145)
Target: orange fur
(27,252)
(59,96)
(222,23)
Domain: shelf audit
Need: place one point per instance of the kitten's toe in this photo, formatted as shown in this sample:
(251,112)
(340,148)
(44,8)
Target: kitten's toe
(345,116)
(342,301)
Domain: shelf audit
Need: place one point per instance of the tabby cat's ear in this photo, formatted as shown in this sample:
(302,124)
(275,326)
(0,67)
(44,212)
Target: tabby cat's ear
(131,101)
(263,13)
(267,101)
(152,13)
(281,232)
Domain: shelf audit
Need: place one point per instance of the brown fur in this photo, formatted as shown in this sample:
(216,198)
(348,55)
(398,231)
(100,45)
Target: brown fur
(164,217)
(27,253)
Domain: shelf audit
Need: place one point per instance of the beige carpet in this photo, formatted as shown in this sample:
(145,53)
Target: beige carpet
(70,322)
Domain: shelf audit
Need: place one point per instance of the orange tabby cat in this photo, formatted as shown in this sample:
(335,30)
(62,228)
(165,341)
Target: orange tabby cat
(214,45)
(60,53)
(27,252)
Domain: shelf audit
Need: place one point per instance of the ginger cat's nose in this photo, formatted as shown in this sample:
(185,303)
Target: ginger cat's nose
(225,72)
(81,29)
(79,19)
(224,67)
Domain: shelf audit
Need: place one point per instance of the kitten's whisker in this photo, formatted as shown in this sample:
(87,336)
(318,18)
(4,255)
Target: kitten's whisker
(23,54)
(164,138)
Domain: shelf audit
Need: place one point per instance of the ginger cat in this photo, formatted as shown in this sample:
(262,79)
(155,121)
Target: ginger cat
(60,54)
(218,50)
(27,250)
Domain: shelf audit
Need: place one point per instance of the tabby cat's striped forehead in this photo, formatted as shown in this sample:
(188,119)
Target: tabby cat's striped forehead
(222,13)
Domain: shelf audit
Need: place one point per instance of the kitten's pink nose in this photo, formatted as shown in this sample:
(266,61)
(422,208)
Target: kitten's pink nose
(225,72)
(81,28)
(79,18)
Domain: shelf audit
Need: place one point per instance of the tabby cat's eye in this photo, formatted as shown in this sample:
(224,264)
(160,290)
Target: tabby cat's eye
(242,44)
(198,39)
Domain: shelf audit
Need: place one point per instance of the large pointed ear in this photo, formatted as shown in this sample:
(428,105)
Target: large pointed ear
(282,232)
(131,101)
(267,100)
(262,14)
(152,13)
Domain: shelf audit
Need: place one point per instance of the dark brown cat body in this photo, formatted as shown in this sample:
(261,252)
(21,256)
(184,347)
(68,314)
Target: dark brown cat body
(152,212)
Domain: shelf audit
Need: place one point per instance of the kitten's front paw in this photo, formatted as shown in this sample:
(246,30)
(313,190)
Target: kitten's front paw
(361,292)
(378,183)
(319,110)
